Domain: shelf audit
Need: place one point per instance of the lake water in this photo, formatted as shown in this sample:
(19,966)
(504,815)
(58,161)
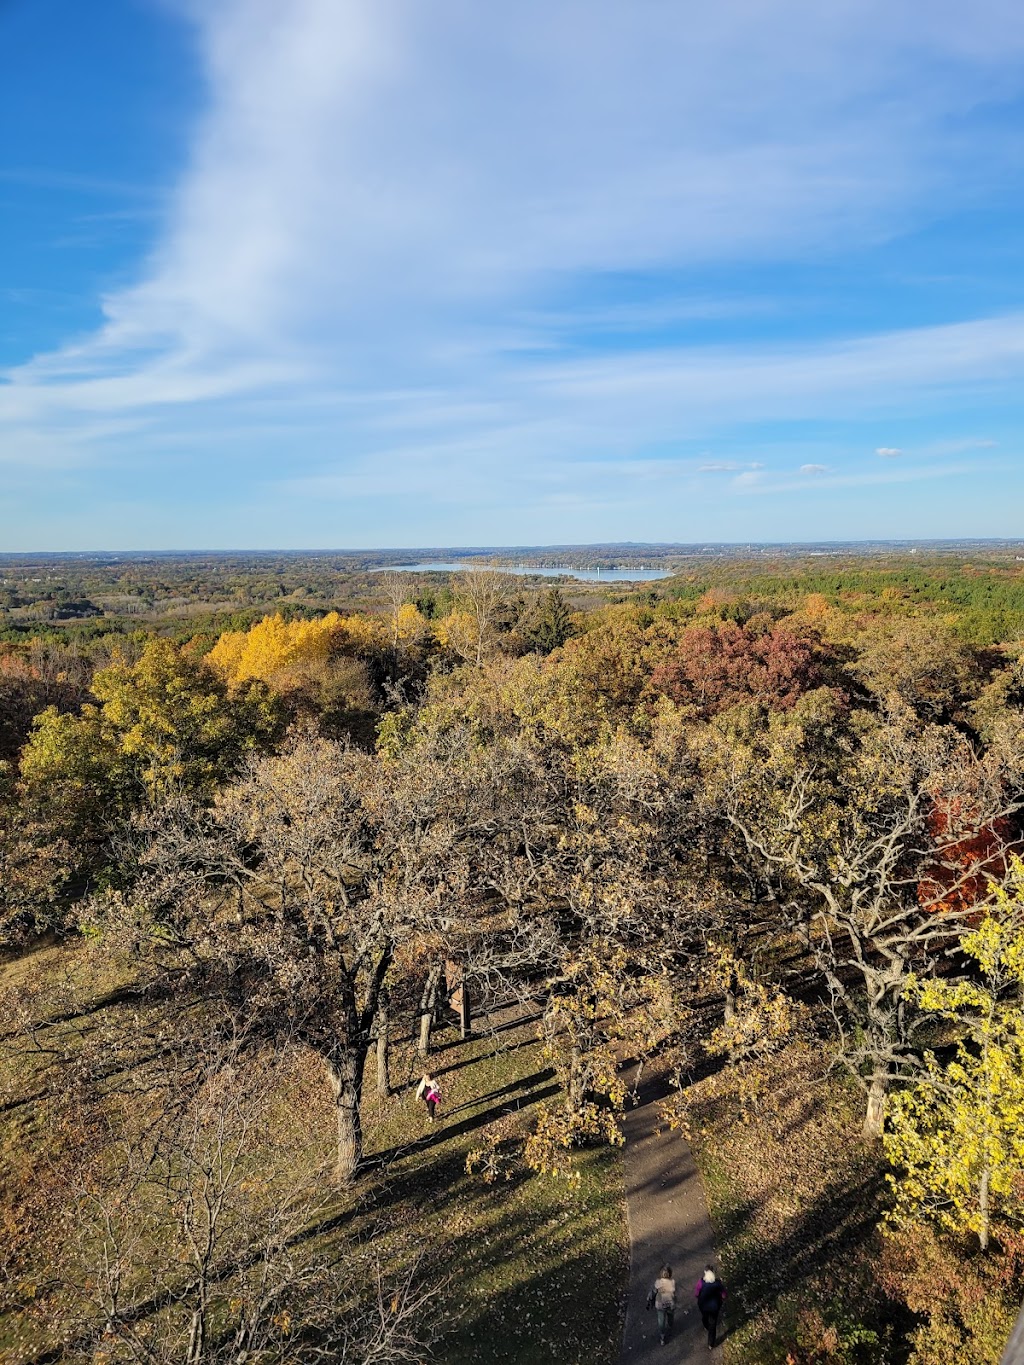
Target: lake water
(561,571)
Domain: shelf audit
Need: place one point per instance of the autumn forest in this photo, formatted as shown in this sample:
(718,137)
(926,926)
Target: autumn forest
(278,835)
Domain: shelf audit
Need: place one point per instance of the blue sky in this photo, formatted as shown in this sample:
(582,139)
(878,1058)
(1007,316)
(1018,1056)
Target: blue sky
(344,273)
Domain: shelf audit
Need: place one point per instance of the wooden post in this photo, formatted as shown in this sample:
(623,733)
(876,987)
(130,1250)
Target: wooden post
(460,996)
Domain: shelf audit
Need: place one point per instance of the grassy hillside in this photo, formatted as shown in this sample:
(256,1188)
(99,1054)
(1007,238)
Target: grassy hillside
(516,1258)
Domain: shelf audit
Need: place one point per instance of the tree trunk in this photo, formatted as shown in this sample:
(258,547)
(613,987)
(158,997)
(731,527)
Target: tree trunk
(383,1049)
(428,1001)
(345,1074)
(874,1117)
(196,1337)
(576,1086)
(983,1207)
(730,1003)
(732,991)
(465,1010)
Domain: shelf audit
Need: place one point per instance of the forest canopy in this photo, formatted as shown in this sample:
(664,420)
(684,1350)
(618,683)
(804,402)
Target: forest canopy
(757,813)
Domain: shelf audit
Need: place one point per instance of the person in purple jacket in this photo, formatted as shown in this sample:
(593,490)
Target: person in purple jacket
(710,1295)
(429,1092)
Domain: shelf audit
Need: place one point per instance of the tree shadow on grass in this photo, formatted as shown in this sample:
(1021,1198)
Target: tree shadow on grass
(442,1131)
(486,1031)
(538,1077)
(109,1000)
(389,1180)
(826,1235)
(554,1289)
(501,1050)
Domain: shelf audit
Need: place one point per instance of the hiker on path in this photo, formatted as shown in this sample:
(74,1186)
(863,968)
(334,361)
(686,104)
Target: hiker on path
(663,1298)
(429,1091)
(710,1295)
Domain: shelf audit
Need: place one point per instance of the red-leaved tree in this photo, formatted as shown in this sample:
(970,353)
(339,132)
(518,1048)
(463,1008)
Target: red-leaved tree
(713,668)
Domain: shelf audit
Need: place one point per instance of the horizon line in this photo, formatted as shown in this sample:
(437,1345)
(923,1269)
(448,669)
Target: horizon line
(466,550)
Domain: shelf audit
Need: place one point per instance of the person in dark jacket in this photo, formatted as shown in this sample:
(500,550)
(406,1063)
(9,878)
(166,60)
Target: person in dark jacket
(710,1295)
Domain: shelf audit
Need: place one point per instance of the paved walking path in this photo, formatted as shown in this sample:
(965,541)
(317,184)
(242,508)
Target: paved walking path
(668,1221)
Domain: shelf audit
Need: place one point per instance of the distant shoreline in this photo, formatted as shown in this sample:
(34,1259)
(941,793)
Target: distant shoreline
(636,551)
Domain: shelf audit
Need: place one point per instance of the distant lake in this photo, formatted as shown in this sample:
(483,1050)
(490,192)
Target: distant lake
(562,571)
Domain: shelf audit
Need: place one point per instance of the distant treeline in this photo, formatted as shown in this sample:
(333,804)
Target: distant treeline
(979,595)
(981,603)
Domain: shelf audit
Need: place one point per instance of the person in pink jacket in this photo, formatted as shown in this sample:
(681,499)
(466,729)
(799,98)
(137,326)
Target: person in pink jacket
(710,1295)
(429,1091)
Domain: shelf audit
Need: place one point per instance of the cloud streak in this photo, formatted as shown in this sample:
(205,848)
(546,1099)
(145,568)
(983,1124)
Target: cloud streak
(365,265)
(825,480)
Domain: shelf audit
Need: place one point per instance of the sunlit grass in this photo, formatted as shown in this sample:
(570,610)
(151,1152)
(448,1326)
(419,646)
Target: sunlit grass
(532,1269)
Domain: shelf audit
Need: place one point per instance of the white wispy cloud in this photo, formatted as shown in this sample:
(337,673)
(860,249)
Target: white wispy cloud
(795,481)
(960,445)
(727,466)
(938,449)
(386,206)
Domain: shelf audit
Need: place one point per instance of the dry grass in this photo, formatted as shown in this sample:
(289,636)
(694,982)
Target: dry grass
(796,1198)
(534,1271)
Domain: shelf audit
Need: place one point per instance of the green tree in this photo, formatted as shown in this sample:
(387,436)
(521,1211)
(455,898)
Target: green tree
(164,724)
(175,722)
(552,625)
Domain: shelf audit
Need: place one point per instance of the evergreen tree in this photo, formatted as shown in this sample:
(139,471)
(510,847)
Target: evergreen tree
(554,622)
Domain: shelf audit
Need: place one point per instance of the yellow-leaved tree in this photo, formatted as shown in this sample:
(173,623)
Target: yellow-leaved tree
(274,647)
(956,1138)
(324,668)
(458,633)
(471,631)
(163,726)
(409,627)
(163,723)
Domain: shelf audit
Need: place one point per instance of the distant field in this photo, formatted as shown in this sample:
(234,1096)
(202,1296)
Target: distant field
(978,585)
